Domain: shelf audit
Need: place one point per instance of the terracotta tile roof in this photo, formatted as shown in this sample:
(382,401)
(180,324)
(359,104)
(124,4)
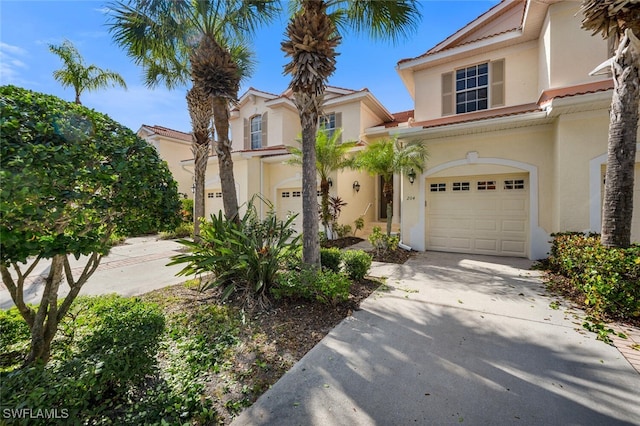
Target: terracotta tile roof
(170,133)
(477,116)
(580,89)
(398,117)
(454,43)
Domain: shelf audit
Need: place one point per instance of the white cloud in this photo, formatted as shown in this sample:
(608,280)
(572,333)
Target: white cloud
(11,64)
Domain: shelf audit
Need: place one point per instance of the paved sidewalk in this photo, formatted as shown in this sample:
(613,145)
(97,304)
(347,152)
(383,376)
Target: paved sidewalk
(456,339)
(136,267)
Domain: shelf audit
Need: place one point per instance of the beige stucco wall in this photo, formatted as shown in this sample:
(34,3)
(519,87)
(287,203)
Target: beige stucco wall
(574,51)
(521,77)
(173,152)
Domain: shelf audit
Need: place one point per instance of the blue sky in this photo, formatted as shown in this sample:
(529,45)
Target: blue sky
(28,27)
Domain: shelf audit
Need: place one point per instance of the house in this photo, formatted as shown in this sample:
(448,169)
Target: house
(262,126)
(516,129)
(174,147)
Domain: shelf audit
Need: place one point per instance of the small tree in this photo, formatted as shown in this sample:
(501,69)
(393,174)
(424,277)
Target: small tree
(331,155)
(79,76)
(387,157)
(70,177)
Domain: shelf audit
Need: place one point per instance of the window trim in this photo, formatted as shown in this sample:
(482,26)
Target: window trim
(257,133)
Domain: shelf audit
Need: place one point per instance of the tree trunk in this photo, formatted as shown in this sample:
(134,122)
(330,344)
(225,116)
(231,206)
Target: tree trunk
(200,110)
(45,323)
(225,162)
(310,240)
(617,208)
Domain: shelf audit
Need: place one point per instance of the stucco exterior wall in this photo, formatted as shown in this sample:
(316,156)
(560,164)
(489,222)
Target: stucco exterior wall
(173,153)
(574,51)
(521,77)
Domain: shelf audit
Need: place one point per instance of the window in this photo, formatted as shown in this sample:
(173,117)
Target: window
(218,194)
(460,186)
(210,195)
(331,122)
(514,184)
(486,185)
(295,194)
(285,194)
(438,187)
(472,88)
(256,132)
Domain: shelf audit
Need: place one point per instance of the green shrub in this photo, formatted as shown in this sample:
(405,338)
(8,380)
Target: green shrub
(183,230)
(187,210)
(356,263)
(382,242)
(341,231)
(608,277)
(325,286)
(241,257)
(13,328)
(359,225)
(100,360)
(330,258)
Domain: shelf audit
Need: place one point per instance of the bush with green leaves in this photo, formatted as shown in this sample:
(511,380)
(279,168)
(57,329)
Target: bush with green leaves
(71,177)
(608,277)
(341,231)
(359,225)
(101,359)
(382,243)
(243,256)
(324,285)
(330,258)
(356,263)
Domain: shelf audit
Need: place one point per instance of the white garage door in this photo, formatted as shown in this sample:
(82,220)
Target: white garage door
(478,214)
(290,202)
(213,204)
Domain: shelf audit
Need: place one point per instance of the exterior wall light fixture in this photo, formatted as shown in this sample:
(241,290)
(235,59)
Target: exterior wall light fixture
(412,176)
(330,182)
(356,186)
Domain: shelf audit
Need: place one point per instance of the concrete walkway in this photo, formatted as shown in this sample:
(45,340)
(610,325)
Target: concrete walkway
(456,339)
(136,267)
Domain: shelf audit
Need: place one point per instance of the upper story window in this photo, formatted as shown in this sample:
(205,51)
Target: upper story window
(331,122)
(256,132)
(473,88)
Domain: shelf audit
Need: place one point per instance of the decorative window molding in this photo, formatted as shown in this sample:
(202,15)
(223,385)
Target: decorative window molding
(255,132)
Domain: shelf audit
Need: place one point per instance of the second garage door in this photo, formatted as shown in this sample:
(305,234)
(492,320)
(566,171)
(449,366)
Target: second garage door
(478,214)
(290,202)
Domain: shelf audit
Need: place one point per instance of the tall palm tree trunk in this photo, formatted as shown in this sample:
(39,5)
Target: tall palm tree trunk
(387,192)
(310,241)
(623,128)
(225,162)
(200,109)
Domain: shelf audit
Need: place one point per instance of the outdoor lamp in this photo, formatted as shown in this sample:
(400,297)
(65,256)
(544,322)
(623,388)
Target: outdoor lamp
(193,188)
(330,182)
(356,186)
(412,176)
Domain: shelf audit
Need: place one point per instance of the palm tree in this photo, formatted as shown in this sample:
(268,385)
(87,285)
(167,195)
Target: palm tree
(313,36)
(619,19)
(331,155)
(204,42)
(388,157)
(76,74)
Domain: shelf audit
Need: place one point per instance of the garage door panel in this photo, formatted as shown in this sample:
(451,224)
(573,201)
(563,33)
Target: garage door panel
(486,219)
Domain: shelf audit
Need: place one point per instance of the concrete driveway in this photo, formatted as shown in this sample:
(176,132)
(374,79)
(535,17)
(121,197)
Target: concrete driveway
(456,339)
(136,267)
